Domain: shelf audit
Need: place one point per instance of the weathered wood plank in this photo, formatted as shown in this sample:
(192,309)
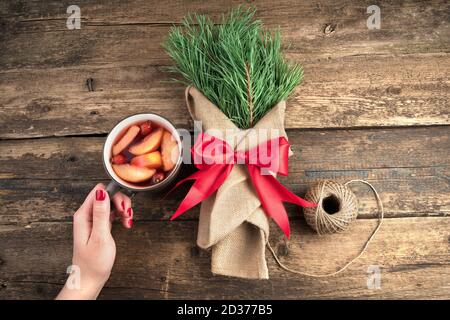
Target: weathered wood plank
(131,32)
(57,200)
(410,168)
(347,92)
(80,157)
(160,260)
(390,77)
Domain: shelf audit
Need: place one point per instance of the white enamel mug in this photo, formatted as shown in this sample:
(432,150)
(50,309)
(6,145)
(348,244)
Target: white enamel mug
(116,182)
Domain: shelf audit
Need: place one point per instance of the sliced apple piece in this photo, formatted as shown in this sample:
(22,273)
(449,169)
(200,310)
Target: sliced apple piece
(149,144)
(169,151)
(127,138)
(132,173)
(150,160)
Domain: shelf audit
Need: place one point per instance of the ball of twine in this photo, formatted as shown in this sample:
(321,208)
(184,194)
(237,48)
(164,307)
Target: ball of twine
(337,207)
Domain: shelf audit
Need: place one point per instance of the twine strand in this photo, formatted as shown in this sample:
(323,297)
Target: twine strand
(374,232)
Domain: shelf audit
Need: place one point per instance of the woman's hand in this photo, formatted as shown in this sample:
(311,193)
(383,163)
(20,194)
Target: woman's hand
(94,249)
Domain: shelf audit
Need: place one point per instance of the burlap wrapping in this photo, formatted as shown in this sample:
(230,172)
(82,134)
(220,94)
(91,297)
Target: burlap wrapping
(232,221)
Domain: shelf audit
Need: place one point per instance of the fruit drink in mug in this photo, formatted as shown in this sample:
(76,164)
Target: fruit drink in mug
(142,152)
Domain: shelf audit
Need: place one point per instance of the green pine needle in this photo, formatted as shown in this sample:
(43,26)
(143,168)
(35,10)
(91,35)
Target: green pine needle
(236,64)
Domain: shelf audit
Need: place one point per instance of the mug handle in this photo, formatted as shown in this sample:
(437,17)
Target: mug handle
(113,187)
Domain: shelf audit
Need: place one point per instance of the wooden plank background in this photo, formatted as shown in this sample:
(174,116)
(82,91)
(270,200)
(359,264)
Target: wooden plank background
(374,105)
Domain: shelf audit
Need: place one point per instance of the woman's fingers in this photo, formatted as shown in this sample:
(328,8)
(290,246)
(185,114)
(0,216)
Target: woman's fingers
(82,219)
(123,209)
(94,215)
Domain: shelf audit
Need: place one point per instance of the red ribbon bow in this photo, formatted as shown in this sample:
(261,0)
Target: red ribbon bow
(215,159)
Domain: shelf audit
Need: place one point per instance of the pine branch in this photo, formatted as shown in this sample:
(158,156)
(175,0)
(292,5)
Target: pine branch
(249,95)
(211,57)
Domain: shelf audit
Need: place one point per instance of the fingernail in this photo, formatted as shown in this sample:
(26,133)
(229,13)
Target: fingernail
(100,195)
(123,205)
(129,211)
(130,223)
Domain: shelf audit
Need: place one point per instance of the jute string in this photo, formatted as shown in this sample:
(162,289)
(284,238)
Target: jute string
(339,225)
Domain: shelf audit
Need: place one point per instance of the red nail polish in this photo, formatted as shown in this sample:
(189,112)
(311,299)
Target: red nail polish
(130,223)
(129,211)
(123,205)
(100,195)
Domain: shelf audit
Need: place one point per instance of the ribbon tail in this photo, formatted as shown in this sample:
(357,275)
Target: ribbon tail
(270,200)
(272,194)
(207,181)
(186,204)
(283,193)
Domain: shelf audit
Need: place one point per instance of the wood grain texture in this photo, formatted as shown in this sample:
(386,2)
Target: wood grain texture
(347,92)
(396,76)
(160,260)
(132,32)
(409,167)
